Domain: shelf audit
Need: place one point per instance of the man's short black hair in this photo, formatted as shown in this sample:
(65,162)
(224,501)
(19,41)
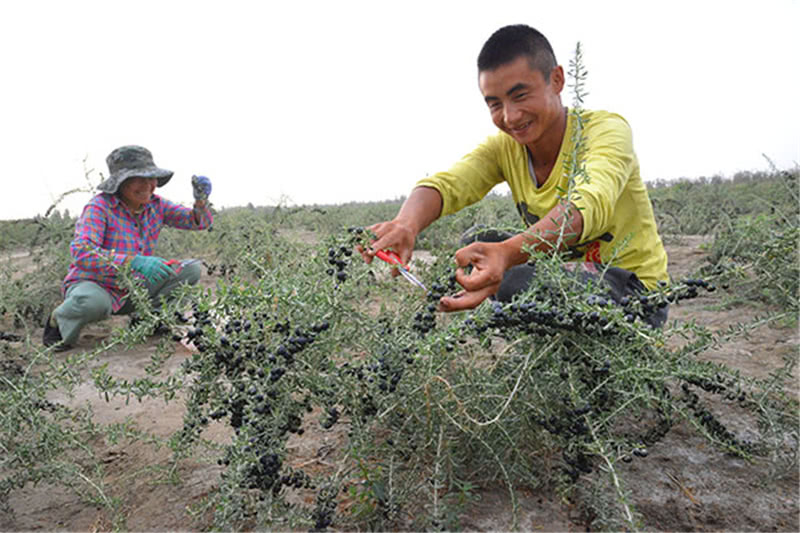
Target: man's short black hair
(510,42)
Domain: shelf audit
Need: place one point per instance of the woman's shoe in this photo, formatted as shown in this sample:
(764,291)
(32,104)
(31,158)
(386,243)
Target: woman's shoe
(52,336)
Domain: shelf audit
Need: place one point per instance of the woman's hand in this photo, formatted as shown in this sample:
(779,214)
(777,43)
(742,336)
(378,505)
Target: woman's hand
(153,268)
(201,188)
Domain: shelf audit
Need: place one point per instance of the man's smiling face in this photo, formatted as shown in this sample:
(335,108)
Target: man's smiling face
(522,103)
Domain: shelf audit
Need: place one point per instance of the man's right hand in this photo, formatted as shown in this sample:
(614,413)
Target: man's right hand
(422,207)
(394,235)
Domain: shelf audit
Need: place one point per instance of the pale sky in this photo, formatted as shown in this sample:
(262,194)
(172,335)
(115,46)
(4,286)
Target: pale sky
(322,102)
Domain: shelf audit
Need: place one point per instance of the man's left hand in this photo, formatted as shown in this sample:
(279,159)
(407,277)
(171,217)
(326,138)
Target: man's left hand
(201,188)
(489,261)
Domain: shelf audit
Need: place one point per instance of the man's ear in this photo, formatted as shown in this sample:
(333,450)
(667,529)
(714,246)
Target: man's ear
(557,78)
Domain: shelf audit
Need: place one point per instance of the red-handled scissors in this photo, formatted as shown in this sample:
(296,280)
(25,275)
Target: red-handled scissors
(177,265)
(393,259)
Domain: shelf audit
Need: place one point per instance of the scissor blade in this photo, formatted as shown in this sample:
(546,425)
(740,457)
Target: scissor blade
(410,277)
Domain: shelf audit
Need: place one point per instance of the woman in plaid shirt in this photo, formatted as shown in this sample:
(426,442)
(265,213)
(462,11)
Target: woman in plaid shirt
(118,226)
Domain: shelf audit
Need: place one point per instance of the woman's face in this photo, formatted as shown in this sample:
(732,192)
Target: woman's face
(136,192)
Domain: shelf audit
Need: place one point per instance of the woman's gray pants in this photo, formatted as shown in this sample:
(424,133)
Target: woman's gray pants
(88,302)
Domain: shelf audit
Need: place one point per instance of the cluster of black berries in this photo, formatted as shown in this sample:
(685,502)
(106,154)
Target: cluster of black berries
(296,479)
(332,416)
(200,320)
(295,342)
(239,345)
(265,474)
(639,451)
(660,429)
(338,254)
(193,425)
(373,380)
(229,357)
(255,404)
(335,260)
(325,508)
(544,316)
(10,337)
(577,464)
(29,311)
(224,269)
(650,437)
(249,406)
(425,321)
(705,417)
(388,376)
(383,372)
(646,304)
(643,306)
(695,284)
(252,408)
(569,423)
(719,385)
(548,311)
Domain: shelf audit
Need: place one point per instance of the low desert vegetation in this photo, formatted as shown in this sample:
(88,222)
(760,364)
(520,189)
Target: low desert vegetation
(293,334)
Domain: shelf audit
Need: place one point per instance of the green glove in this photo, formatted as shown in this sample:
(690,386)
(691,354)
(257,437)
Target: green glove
(152,268)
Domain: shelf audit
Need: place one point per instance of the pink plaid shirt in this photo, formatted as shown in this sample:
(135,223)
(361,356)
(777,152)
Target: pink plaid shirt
(108,227)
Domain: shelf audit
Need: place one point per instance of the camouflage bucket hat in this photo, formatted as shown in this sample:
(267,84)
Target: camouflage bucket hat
(131,162)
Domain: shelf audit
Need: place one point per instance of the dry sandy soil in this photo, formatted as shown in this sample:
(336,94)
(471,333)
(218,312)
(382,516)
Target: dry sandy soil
(684,484)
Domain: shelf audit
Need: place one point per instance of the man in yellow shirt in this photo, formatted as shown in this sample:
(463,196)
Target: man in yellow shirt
(609,219)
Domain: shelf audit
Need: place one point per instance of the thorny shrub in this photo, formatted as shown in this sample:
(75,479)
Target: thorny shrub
(703,207)
(547,391)
(559,385)
(760,252)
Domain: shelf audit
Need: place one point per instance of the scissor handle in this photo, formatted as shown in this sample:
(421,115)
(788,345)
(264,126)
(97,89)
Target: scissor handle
(175,264)
(390,257)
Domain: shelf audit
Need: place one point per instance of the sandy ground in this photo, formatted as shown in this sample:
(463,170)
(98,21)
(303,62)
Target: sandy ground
(683,485)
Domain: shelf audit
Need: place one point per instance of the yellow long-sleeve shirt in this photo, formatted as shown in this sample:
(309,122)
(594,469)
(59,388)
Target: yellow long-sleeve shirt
(619,227)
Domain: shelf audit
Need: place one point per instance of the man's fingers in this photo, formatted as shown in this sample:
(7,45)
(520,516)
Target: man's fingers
(446,302)
(465,300)
(365,254)
(463,256)
(380,230)
(477,279)
(381,243)
(389,236)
